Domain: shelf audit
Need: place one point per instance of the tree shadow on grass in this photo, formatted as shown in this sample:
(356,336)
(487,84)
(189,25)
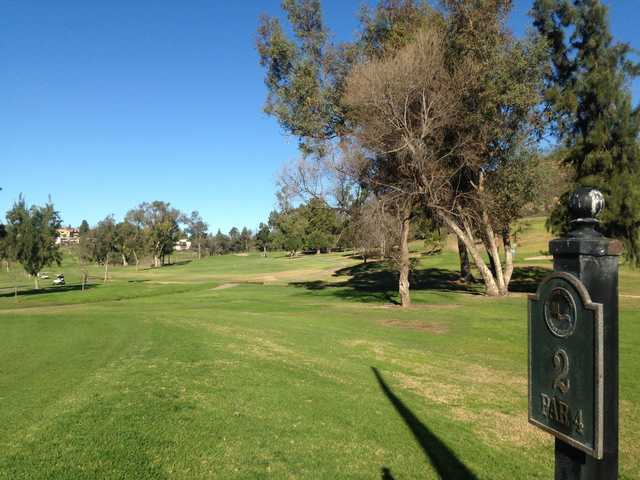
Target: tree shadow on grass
(176,264)
(376,282)
(40,291)
(527,279)
(385,474)
(167,265)
(438,454)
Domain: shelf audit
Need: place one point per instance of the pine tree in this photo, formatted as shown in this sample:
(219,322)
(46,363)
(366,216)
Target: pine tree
(263,238)
(590,108)
(84,227)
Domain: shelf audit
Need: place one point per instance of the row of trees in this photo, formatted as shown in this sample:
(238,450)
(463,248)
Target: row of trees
(151,230)
(436,112)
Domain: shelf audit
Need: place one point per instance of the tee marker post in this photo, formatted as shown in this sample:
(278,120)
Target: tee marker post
(573,347)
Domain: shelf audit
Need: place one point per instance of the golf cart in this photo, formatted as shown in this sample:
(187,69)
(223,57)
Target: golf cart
(43,275)
(59,280)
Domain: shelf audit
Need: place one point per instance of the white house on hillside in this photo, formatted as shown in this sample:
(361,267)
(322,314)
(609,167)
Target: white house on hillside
(182,244)
(68,236)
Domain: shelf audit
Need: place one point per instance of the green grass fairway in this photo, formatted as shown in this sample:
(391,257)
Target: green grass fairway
(243,367)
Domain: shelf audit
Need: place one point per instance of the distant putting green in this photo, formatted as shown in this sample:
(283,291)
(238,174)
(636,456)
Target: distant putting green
(242,367)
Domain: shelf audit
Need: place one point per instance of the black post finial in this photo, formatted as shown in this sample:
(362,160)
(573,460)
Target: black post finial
(585,204)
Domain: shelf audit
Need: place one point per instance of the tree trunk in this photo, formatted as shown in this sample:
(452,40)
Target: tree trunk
(37,283)
(491,246)
(492,264)
(465,265)
(317,251)
(199,251)
(492,250)
(508,257)
(106,270)
(124,260)
(491,288)
(403,284)
(84,280)
(135,256)
(264,251)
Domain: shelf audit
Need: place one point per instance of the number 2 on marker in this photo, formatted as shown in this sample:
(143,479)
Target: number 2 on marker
(561,364)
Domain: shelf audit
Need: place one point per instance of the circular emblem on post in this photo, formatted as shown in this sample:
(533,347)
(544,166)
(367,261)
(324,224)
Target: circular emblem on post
(560,312)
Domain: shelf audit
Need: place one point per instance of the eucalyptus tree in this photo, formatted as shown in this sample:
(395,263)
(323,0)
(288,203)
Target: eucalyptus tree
(441,115)
(130,242)
(196,229)
(31,236)
(160,223)
(424,102)
(246,238)
(105,243)
(306,78)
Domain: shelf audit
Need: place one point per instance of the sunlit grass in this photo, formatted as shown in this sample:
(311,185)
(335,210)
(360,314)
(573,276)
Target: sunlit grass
(245,367)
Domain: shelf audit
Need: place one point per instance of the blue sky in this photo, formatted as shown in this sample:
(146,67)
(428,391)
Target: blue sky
(108,104)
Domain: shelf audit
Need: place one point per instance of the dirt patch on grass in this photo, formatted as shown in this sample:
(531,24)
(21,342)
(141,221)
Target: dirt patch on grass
(269,350)
(377,348)
(435,391)
(478,396)
(224,286)
(435,328)
(489,376)
(48,309)
(168,282)
(301,274)
(422,306)
(629,415)
(492,426)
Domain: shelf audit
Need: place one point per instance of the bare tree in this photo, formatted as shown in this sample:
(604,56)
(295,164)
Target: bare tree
(403,107)
(373,230)
(409,112)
